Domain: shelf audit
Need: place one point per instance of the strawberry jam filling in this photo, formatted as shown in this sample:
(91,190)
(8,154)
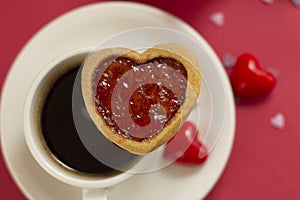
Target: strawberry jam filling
(136,99)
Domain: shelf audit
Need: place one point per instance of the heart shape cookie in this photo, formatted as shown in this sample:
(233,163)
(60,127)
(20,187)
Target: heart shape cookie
(139,100)
(185,146)
(249,80)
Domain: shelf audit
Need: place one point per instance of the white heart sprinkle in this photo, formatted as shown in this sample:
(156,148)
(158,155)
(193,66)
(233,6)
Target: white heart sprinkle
(217,19)
(269,2)
(296,3)
(278,121)
(228,60)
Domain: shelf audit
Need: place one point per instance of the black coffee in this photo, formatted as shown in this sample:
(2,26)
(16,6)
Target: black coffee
(60,133)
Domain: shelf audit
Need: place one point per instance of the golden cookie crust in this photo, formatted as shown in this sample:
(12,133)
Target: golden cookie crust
(177,52)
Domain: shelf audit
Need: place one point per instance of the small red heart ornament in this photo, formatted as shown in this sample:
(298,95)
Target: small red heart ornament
(185,146)
(249,80)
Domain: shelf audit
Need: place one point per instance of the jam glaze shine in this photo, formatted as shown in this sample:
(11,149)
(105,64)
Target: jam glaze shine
(138,99)
(157,81)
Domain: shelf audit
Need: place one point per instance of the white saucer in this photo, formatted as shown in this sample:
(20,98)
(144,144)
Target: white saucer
(87,27)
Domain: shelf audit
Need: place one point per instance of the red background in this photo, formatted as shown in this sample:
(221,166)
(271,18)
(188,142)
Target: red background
(264,163)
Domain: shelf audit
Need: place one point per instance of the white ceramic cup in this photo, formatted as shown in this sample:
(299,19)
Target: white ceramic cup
(92,187)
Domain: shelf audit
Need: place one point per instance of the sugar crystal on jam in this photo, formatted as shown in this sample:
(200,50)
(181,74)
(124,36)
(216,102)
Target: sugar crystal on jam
(138,99)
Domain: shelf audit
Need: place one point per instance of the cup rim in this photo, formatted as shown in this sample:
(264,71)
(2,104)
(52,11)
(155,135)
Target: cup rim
(35,146)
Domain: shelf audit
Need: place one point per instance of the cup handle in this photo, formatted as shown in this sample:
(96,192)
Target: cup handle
(95,194)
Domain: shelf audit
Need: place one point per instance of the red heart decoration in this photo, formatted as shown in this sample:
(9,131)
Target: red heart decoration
(185,147)
(249,80)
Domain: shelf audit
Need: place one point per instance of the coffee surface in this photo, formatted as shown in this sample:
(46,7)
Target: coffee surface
(59,131)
